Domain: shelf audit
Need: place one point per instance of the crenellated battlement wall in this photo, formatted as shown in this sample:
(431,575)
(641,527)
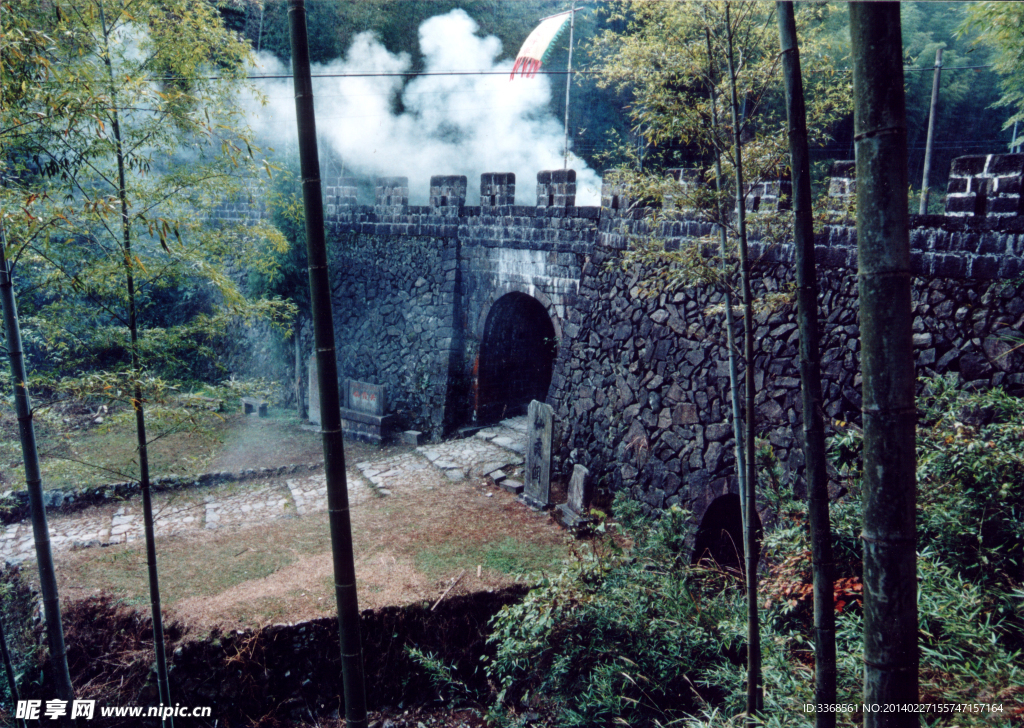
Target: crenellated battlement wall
(980,188)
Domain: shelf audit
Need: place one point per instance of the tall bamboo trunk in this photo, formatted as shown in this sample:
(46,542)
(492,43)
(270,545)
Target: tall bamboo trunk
(755,695)
(810,374)
(730,317)
(163,680)
(887,364)
(34,485)
(327,368)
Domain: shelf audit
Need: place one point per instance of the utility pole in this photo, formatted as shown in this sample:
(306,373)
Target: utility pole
(923,209)
(568,85)
(353,685)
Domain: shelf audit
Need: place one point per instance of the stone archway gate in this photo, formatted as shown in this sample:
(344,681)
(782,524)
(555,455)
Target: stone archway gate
(414,286)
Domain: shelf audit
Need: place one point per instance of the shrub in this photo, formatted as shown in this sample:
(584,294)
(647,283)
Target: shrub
(642,638)
(615,637)
(17,607)
(971,481)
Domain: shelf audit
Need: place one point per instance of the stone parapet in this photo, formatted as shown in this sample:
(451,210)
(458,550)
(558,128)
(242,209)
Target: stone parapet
(497,190)
(556,188)
(447,195)
(842,187)
(340,194)
(391,195)
(986,185)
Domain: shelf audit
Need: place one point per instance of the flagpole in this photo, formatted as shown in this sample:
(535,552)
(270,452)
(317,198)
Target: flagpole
(568,85)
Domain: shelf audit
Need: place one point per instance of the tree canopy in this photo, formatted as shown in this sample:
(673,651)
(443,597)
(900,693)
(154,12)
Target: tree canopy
(130,128)
(1000,26)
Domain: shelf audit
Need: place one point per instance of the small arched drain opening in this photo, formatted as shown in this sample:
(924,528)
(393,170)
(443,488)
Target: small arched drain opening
(720,536)
(516,357)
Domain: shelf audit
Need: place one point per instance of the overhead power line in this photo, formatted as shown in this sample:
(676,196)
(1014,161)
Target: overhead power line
(400,75)
(255,77)
(406,74)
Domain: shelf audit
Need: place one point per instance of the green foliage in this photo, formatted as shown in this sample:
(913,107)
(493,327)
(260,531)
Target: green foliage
(776,483)
(614,638)
(16,611)
(287,276)
(450,690)
(971,481)
(845,450)
(134,129)
(1000,27)
(671,59)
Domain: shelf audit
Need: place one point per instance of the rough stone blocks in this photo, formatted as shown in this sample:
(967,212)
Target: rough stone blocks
(556,188)
(986,185)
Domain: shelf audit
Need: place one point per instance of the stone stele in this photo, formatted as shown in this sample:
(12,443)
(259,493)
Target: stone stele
(573,513)
(314,393)
(537,480)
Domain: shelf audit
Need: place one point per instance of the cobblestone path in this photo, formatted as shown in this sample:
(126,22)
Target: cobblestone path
(250,504)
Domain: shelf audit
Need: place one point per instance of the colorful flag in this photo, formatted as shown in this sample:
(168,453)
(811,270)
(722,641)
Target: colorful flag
(538,45)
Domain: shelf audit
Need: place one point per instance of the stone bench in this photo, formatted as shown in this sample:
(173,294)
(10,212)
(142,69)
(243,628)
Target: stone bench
(254,405)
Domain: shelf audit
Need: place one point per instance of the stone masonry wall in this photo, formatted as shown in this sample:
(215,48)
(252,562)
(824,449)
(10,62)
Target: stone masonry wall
(641,383)
(393,304)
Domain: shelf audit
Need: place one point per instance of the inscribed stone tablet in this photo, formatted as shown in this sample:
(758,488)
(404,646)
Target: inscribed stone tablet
(368,398)
(537,478)
(314,393)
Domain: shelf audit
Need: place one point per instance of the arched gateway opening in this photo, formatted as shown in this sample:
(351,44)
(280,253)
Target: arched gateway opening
(720,536)
(517,352)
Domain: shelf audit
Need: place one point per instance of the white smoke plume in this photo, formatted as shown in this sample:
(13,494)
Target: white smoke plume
(448,124)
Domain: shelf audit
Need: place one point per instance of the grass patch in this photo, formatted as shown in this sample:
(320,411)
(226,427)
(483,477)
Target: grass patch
(507,556)
(261,611)
(75,453)
(187,571)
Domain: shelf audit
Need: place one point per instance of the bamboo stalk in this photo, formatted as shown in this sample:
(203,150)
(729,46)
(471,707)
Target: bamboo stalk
(162,676)
(810,375)
(887,364)
(730,317)
(9,670)
(327,368)
(34,483)
(755,693)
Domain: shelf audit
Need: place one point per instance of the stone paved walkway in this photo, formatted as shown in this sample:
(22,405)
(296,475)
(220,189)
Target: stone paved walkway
(249,504)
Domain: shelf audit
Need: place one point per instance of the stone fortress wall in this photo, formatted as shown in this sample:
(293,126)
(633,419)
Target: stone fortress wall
(640,381)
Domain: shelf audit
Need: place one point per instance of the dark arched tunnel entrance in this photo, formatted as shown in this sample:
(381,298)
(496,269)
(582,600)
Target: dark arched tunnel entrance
(516,356)
(720,535)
